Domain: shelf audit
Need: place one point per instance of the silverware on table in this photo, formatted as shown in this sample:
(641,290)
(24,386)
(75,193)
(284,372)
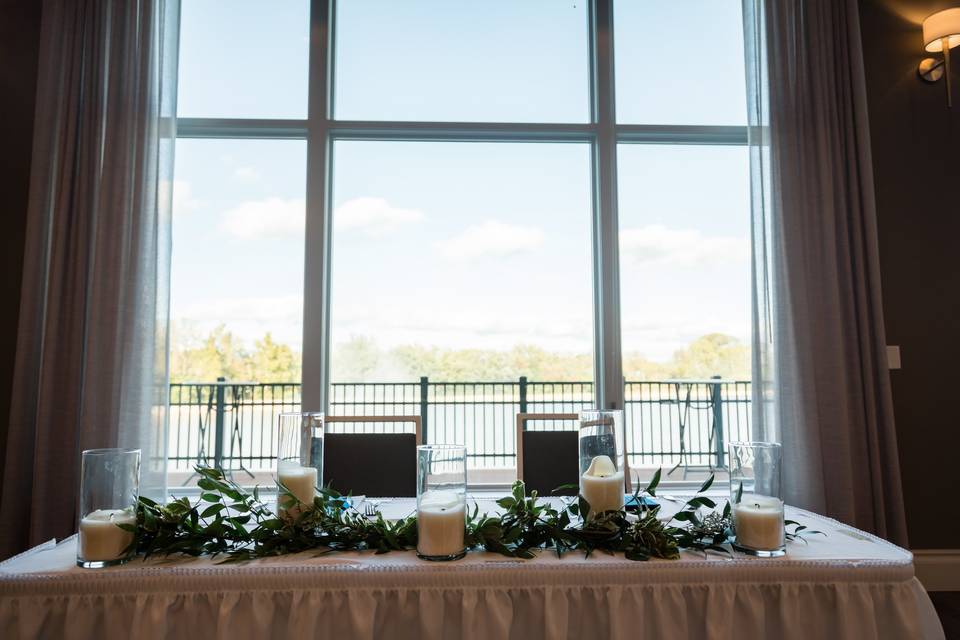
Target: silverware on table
(369,510)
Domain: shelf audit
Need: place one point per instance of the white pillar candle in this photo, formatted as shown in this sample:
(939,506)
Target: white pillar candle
(441,519)
(602,485)
(300,481)
(101,539)
(758,522)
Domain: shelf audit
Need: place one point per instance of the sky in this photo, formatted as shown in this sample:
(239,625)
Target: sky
(480,245)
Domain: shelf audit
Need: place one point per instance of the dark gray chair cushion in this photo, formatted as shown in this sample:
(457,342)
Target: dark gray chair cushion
(371,464)
(550,460)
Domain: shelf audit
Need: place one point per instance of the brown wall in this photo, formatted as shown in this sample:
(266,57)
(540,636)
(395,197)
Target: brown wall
(916,147)
(916,161)
(19,40)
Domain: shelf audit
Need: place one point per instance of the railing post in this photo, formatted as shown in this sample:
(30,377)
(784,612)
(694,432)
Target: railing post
(523,394)
(218,433)
(716,400)
(424,405)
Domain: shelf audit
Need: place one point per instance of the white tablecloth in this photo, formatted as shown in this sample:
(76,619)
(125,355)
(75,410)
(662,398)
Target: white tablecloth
(846,585)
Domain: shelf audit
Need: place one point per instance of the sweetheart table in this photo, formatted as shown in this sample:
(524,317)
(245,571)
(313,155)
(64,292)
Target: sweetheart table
(847,584)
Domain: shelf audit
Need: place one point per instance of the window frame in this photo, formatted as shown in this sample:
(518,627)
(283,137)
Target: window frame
(320,130)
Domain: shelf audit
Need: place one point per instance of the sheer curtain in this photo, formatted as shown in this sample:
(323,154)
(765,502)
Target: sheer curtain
(91,365)
(822,382)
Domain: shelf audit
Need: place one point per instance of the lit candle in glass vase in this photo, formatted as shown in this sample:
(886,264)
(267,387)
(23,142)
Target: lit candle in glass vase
(602,460)
(109,492)
(299,461)
(755,501)
(441,501)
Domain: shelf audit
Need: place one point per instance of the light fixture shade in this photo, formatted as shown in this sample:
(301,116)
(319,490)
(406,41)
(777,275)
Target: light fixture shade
(943,24)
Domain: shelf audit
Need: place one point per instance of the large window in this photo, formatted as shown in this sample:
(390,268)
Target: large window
(461,211)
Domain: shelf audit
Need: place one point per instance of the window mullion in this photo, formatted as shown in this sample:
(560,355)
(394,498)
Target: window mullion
(316,294)
(608,360)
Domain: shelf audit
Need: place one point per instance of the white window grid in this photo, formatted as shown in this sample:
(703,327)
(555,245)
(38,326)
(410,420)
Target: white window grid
(320,130)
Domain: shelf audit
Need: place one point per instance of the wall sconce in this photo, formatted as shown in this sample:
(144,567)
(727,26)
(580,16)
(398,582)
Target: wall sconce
(941,32)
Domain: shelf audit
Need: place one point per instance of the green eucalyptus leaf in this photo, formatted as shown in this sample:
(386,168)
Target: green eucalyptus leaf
(702,501)
(706,485)
(212,510)
(232,493)
(583,506)
(654,481)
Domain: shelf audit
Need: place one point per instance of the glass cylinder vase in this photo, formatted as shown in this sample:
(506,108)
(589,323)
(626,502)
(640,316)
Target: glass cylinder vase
(755,498)
(299,461)
(109,491)
(602,460)
(441,501)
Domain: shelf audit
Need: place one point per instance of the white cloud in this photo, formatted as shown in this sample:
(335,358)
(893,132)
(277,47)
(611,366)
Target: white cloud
(246,174)
(253,308)
(272,217)
(275,217)
(373,216)
(491,238)
(681,247)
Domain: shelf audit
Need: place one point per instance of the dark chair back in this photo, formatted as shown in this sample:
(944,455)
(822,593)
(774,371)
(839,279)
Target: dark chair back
(371,464)
(547,459)
(550,460)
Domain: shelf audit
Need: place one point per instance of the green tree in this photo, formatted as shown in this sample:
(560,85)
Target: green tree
(637,368)
(205,359)
(202,358)
(714,354)
(356,360)
(274,362)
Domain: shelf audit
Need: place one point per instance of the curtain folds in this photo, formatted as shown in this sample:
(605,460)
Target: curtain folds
(821,379)
(91,351)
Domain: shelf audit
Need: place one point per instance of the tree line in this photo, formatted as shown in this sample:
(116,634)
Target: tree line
(204,358)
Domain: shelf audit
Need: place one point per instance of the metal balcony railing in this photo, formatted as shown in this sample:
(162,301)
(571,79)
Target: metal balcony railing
(668,422)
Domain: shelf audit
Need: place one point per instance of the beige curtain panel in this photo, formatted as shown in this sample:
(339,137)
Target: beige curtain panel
(821,382)
(91,351)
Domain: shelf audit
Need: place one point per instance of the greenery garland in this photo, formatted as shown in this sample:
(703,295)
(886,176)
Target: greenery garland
(232,521)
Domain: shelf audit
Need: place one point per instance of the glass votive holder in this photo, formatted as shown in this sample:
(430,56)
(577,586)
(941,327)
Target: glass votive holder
(299,461)
(602,460)
(109,491)
(441,501)
(755,498)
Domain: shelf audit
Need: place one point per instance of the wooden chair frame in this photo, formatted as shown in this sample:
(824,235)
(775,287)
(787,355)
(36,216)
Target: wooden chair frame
(348,419)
